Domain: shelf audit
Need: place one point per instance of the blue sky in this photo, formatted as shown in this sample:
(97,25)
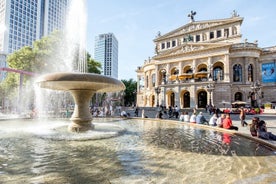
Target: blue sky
(135,23)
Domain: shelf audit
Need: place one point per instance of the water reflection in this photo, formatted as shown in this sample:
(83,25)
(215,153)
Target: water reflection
(147,152)
(191,139)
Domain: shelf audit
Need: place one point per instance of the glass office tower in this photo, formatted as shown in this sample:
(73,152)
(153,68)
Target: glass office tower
(106,52)
(24,21)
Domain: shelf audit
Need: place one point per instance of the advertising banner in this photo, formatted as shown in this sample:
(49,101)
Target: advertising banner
(268,72)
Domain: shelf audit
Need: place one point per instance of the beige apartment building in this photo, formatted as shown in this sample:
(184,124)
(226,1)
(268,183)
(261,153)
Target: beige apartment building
(207,63)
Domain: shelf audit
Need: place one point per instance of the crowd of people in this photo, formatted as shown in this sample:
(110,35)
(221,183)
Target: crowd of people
(219,119)
(257,127)
(222,121)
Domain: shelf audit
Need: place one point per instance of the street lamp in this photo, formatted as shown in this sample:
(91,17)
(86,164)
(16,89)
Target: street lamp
(157,91)
(134,93)
(210,89)
(255,87)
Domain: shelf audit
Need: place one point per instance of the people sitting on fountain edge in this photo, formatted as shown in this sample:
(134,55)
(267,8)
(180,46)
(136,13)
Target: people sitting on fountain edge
(123,114)
(263,133)
(200,119)
(213,120)
(220,120)
(254,126)
(181,117)
(193,118)
(227,123)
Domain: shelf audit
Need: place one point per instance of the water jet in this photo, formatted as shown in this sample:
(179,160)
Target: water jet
(82,87)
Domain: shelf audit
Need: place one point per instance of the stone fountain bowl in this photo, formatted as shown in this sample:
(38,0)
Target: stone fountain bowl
(82,87)
(79,81)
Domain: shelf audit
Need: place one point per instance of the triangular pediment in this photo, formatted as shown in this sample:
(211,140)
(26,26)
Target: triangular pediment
(198,26)
(191,47)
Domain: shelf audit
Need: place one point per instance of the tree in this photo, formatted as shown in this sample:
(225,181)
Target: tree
(93,66)
(47,55)
(44,57)
(130,92)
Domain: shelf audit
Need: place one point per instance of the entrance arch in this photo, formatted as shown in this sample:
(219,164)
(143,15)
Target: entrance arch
(171,98)
(186,99)
(202,99)
(238,96)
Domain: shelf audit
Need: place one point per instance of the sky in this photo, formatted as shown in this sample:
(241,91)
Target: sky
(135,23)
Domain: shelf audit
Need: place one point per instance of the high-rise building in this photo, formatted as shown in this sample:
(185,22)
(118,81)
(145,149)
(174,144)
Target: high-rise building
(106,52)
(24,21)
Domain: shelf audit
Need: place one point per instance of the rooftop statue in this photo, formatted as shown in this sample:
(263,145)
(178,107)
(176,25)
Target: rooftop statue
(191,15)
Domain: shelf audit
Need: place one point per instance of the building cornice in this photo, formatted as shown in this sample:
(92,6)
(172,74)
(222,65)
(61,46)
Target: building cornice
(268,50)
(191,48)
(198,26)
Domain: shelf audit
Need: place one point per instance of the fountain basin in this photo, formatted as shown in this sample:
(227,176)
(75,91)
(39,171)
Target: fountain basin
(148,151)
(82,87)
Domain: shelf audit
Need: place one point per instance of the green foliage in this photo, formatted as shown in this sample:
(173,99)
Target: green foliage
(130,92)
(93,66)
(42,58)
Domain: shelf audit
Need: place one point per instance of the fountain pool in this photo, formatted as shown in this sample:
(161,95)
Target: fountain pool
(147,151)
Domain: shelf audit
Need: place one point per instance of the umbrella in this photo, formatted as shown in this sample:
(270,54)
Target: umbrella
(224,102)
(239,103)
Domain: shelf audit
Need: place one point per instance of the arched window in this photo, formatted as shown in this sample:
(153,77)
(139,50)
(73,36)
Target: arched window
(202,70)
(237,73)
(218,73)
(202,99)
(141,83)
(250,73)
(147,81)
(186,100)
(153,80)
(238,96)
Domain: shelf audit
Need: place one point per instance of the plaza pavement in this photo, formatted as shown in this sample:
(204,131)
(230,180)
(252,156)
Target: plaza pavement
(270,120)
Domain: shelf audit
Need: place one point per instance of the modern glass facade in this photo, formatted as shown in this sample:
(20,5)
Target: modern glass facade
(106,52)
(28,20)
(55,15)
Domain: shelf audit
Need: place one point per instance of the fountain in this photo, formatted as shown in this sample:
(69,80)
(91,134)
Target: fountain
(149,151)
(82,86)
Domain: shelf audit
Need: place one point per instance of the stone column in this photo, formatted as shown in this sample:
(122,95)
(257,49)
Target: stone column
(227,68)
(81,117)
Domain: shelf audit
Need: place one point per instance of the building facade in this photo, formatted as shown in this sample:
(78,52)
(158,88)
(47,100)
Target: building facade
(106,52)
(206,63)
(24,21)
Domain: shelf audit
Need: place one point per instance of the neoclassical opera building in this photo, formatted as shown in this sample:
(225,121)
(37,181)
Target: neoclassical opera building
(207,63)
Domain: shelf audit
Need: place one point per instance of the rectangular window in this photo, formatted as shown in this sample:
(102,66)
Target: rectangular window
(197,38)
(163,45)
(168,44)
(173,43)
(218,33)
(226,33)
(212,35)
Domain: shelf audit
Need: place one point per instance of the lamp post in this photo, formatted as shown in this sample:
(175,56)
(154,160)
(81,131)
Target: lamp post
(157,91)
(210,89)
(255,87)
(135,93)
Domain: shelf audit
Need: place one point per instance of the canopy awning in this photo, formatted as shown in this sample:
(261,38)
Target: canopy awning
(239,103)
(173,77)
(185,76)
(201,74)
